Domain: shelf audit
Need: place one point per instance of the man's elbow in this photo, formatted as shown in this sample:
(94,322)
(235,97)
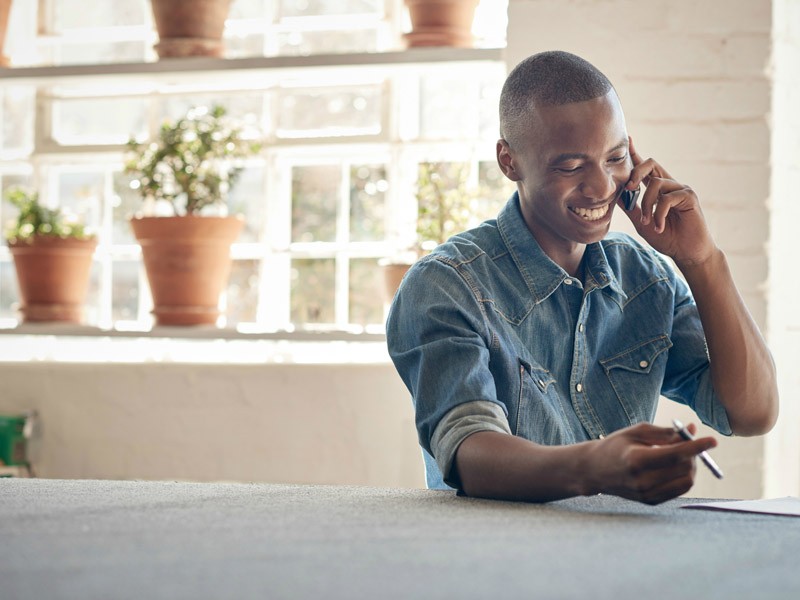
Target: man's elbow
(757,422)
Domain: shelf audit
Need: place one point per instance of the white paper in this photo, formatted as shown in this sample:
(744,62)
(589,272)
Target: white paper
(788,506)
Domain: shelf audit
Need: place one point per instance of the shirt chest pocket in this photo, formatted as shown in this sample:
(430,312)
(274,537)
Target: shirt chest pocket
(636,375)
(540,417)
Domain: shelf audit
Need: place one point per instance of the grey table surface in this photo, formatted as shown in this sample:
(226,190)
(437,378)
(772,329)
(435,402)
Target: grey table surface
(121,539)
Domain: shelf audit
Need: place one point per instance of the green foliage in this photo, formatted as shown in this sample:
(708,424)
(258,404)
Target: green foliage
(193,163)
(36,219)
(445,204)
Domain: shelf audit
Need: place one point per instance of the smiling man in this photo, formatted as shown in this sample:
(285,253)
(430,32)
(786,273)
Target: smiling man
(537,345)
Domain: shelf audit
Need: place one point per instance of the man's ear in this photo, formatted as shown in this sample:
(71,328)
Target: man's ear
(506,161)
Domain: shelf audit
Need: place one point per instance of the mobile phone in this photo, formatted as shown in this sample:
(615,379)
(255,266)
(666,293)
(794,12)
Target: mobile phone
(629,197)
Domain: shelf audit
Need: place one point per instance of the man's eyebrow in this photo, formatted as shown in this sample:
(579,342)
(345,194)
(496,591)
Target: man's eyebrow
(620,146)
(580,156)
(567,156)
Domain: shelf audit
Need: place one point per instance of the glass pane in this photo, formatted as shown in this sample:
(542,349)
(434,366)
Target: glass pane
(98,121)
(242,299)
(329,112)
(312,291)
(366,302)
(246,108)
(80,196)
(302,8)
(69,14)
(91,308)
(303,43)
(9,291)
(18,110)
(315,197)
(448,107)
(240,46)
(124,204)
(249,9)
(489,118)
(368,187)
(494,189)
(125,290)
(101,53)
(247,198)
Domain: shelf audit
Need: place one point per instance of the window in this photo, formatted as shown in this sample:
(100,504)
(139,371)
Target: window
(333,190)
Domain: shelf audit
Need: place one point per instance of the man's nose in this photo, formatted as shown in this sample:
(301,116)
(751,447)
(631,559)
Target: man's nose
(598,183)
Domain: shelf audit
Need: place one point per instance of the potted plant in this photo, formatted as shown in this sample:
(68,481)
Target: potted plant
(190,27)
(440,22)
(184,176)
(52,257)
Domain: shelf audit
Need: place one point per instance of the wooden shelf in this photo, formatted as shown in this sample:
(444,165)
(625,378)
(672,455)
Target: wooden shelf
(176,69)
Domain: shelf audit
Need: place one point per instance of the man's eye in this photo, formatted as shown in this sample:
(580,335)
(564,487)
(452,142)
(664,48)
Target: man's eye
(618,159)
(567,169)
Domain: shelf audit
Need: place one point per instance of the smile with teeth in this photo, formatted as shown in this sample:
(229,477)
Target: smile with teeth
(590,214)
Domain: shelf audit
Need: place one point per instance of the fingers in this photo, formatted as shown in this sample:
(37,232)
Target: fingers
(669,489)
(666,456)
(652,435)
(664,478)
(659,464)
(635,158)
(644,169)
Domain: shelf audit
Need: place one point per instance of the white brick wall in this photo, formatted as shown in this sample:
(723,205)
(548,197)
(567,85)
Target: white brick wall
(694,77)
(783,445)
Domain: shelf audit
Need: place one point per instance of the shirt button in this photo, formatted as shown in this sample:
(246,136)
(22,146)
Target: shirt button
(579,387)
(643,364)
(568,281)
(581,328)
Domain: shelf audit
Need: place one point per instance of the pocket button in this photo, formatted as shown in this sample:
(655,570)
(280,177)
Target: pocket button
(643,364)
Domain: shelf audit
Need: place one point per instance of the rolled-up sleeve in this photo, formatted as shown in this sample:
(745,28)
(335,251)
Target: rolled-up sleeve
(457,425)
(438,340)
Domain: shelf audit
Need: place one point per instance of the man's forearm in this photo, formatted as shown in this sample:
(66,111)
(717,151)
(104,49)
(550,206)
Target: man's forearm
(742,369)
(506,467)
(642,462)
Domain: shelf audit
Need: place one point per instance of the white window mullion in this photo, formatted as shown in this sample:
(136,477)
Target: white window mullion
(342,293)
(274,288)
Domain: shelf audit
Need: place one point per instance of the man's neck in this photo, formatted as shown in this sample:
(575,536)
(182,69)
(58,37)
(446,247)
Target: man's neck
(568,259)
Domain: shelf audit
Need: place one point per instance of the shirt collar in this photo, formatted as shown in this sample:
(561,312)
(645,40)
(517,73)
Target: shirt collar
(540,273)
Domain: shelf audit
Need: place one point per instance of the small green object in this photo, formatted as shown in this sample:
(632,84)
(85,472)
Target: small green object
(13,439)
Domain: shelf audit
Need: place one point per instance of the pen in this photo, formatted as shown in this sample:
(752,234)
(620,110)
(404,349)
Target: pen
(707,460)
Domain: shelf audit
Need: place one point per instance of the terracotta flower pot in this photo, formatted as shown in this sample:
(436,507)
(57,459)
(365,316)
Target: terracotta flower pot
(188,263)
(190,27)
(393,274)
(53,277)
(440,22)
(5,11)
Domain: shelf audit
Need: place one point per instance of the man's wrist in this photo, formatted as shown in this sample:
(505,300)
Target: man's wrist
(584,470)
(707,265)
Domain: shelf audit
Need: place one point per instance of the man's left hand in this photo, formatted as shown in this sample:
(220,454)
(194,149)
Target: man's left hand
(669,218)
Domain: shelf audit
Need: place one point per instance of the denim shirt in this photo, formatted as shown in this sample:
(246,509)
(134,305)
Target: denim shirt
(488,316)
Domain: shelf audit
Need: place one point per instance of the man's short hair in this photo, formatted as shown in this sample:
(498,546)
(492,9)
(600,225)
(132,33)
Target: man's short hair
(546,79)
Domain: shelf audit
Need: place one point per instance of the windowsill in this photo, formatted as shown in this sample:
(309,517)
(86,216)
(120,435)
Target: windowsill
(230,67)
(199,332)
(65,343)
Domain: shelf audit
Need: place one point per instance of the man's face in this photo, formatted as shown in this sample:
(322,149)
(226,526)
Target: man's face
(570,164)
